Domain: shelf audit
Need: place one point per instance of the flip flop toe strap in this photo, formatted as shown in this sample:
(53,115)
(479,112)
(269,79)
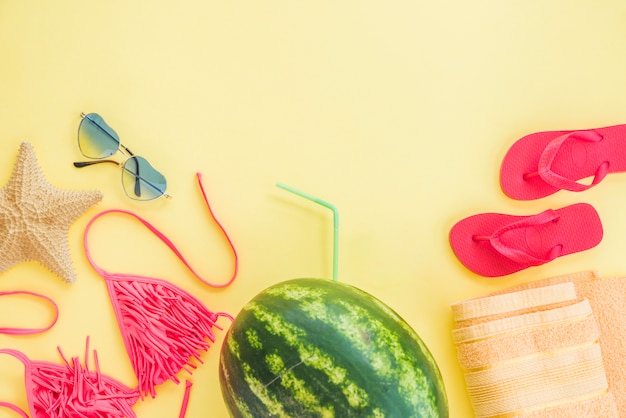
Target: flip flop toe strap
(559,181)
(519,255)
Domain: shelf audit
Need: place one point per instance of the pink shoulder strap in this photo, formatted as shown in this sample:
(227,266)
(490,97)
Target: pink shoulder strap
(27,366)
(167,241)
(14,408)
(27,331)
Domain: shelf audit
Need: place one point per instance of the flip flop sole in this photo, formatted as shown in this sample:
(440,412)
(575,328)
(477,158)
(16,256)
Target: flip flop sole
(575,160)
(578,228)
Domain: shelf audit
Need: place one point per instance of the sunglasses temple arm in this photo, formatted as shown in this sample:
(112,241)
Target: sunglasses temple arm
(81,164)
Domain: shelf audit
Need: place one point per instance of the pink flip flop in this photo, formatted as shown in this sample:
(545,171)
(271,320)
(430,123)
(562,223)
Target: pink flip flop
(495,244)
(542,163)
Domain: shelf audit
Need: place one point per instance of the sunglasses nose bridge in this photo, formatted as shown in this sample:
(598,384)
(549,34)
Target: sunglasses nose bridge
(125,150)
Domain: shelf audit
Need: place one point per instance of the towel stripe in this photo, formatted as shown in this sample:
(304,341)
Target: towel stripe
(510,302)
(535,382)
(519,323)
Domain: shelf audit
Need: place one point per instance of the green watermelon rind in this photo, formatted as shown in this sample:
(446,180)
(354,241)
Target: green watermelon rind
(317,348)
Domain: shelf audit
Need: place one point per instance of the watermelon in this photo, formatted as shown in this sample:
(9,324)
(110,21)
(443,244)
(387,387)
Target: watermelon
(321,348)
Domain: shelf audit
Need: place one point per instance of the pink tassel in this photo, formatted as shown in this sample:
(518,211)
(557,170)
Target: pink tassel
(183,409)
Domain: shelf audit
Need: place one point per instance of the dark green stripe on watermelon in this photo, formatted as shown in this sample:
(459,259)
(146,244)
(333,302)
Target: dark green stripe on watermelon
(318,348)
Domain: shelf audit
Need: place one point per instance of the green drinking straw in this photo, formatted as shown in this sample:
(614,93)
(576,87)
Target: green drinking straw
(335,222)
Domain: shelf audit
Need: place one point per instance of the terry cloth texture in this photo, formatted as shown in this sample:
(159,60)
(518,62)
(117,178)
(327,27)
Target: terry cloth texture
(545,349)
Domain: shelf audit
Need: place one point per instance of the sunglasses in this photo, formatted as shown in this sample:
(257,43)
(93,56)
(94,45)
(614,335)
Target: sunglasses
(98,140)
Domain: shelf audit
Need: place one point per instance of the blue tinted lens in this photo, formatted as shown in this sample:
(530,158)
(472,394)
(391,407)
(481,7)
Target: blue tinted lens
(96,139)
(141,181)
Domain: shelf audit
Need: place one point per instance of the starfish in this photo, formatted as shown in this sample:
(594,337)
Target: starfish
(35,217)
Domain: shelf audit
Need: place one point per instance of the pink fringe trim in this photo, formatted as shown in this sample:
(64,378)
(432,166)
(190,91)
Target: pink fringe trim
(69,390)
(165,329)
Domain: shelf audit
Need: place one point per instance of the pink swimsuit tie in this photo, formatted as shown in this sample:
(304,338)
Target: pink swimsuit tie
(27,331)
(164,327)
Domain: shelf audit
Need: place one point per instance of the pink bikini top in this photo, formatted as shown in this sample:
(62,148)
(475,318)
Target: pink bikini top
(71,390)
(165,328)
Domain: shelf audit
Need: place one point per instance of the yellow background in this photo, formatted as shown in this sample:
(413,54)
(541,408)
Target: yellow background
(397,112)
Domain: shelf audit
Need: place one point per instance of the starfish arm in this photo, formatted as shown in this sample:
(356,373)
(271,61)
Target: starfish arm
(35,217)
(52,252)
